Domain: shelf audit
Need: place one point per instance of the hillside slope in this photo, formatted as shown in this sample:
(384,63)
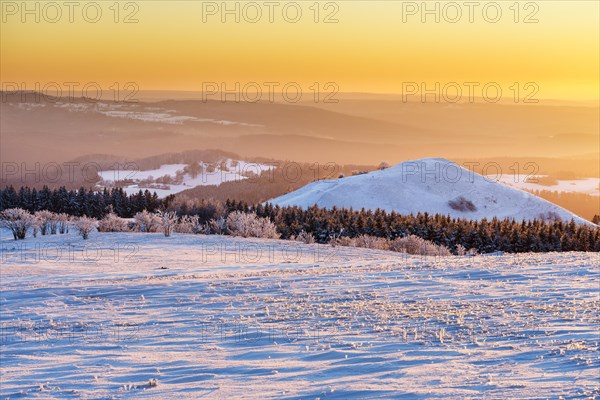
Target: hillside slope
(427,185)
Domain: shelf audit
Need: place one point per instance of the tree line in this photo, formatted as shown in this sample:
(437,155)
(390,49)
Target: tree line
(81,202)
(325,225)
(582,204)
(484,236)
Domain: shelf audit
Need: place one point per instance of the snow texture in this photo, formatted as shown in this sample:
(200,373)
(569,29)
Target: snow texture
(141,316)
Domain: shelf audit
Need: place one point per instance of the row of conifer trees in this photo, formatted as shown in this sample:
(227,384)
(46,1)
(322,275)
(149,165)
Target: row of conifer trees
(324,224)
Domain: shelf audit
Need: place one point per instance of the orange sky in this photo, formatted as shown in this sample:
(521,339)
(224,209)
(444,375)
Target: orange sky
(370,49)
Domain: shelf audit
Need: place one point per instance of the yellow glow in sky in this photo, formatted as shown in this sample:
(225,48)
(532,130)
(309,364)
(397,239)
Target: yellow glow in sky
(366,46)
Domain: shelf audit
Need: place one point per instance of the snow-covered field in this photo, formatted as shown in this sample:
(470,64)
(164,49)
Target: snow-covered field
(135,112)
(211,174)
(216,317)
(589,186)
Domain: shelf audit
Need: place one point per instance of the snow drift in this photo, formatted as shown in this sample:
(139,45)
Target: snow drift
(433,185)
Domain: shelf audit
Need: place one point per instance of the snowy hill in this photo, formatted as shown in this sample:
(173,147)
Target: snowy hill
(432,185)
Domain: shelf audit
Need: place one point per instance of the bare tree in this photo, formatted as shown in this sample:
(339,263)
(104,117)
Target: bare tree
(35,225)
(384,165)
(62,223)
(168,220)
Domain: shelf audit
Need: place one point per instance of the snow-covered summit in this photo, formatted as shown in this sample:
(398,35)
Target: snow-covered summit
(433,185)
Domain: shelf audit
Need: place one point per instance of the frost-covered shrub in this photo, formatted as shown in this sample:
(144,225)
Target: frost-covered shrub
(343,241)
(217,226)
(18,221)
(168,221)
(460,250)
(372,242)
(462,204)
(415,245)
(85,226)
(113,223)
(189,224)
(364,241)
(410,245)
(250,225)
(48,222)
(305,237)
(147,222)
(35,226)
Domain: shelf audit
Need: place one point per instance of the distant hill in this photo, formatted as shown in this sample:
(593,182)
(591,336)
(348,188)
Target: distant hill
(353,131)
(433,185)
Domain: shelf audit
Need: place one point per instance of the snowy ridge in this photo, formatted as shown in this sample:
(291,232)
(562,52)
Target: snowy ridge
(427,185)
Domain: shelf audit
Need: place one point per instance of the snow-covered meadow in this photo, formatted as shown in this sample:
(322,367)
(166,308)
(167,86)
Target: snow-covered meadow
(131,315)
(133,111)
(210,174)
(589,186)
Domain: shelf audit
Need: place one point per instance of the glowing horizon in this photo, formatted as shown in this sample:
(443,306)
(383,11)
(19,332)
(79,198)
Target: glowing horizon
(369,50)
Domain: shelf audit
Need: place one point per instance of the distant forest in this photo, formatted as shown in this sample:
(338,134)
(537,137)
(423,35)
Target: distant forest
(584,205)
